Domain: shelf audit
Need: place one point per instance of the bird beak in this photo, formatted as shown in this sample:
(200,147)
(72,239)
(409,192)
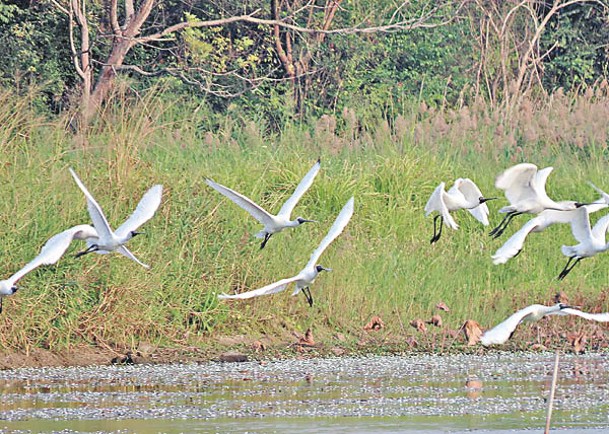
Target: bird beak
(566,306)
(485,199)
(327,269)
(309,221)
(134,233)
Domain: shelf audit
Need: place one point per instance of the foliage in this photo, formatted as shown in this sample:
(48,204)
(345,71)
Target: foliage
(200,244)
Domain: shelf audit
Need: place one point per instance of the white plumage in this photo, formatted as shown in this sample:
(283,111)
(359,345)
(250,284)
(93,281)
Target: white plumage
(108,240)
(308,274)
(591,240)
(49,254)
(464,194)
(503,331)
(525,189)
(513,245)
(272,223)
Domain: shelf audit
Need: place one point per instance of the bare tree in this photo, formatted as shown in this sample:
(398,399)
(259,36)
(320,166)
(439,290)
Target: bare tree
(508,38)
(129,27)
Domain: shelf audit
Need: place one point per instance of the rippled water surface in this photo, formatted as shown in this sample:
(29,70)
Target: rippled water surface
(495,393)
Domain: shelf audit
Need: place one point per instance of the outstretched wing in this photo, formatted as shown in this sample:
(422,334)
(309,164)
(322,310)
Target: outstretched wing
(244,202)
(144,211)
(436,203)
(514,244)
(580,224)
(502,332)
(50,253)
(127,253)
(265,290)
(600,317)
(95,212)
(472,193)
(337,227)
(303,186)
(517,182)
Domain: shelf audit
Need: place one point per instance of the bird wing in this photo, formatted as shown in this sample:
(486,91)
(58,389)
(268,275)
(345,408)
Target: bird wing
(436,203)
(514,244)
(246,203)
(265,290)
(337,227)
(126,252)
(95,212)
(539,182)
(604,196)
(303,186)
(472,193)
(517,182)
(600,228)
(600,317)
(50,253)
(580,224)
(144,211)
(502,331)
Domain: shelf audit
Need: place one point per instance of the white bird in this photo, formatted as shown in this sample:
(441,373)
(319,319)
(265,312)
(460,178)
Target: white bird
(464,194)
(272,223)
(591,240)
(525,189)
(504,331)
(308,274)
(49,254)
(512,247)
(108,240)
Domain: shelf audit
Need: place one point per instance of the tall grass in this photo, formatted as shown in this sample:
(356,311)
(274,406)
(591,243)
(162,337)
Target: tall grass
(200,244)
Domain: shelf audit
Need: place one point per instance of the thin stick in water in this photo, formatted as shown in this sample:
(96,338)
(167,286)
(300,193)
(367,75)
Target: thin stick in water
(552,390)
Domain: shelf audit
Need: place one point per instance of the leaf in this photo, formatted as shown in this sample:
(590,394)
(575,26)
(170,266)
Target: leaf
(435,320)
(419,325)
(442,306)
(472,331)
(375,323)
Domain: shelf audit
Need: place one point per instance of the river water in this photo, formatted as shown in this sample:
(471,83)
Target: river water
(493,393)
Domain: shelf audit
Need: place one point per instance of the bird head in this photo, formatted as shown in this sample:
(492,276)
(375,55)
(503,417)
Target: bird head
(319,268)
(301,220)
(14,289)
(483,199)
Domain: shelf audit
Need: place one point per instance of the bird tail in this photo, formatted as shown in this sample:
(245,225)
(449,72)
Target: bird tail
(568,251)
(261,234)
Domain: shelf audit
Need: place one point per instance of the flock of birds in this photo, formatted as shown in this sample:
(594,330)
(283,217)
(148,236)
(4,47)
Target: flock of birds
(524,187)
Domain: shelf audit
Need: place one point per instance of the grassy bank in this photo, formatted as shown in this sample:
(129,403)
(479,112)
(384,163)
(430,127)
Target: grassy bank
(200,244)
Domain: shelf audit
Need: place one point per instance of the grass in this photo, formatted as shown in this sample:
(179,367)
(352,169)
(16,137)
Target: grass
(200,244)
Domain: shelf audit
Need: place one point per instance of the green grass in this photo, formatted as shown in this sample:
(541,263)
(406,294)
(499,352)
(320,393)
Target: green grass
(200,244)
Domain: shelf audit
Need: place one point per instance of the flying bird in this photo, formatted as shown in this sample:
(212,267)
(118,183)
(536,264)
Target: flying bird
(504,331)
(512,247)
(525,189)
(108,240)
(49,254)
(272,223)
(464,194)
(591,240)
(308,274)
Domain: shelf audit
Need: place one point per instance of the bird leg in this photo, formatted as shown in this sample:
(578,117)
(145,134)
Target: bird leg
(436,237)
(496,233)
(267,236)
(92,248)
(1,304)
(568,269)
(307,293)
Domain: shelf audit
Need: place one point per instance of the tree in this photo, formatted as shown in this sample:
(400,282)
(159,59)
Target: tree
(297,28)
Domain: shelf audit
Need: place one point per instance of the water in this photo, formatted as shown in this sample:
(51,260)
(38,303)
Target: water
(494,393)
